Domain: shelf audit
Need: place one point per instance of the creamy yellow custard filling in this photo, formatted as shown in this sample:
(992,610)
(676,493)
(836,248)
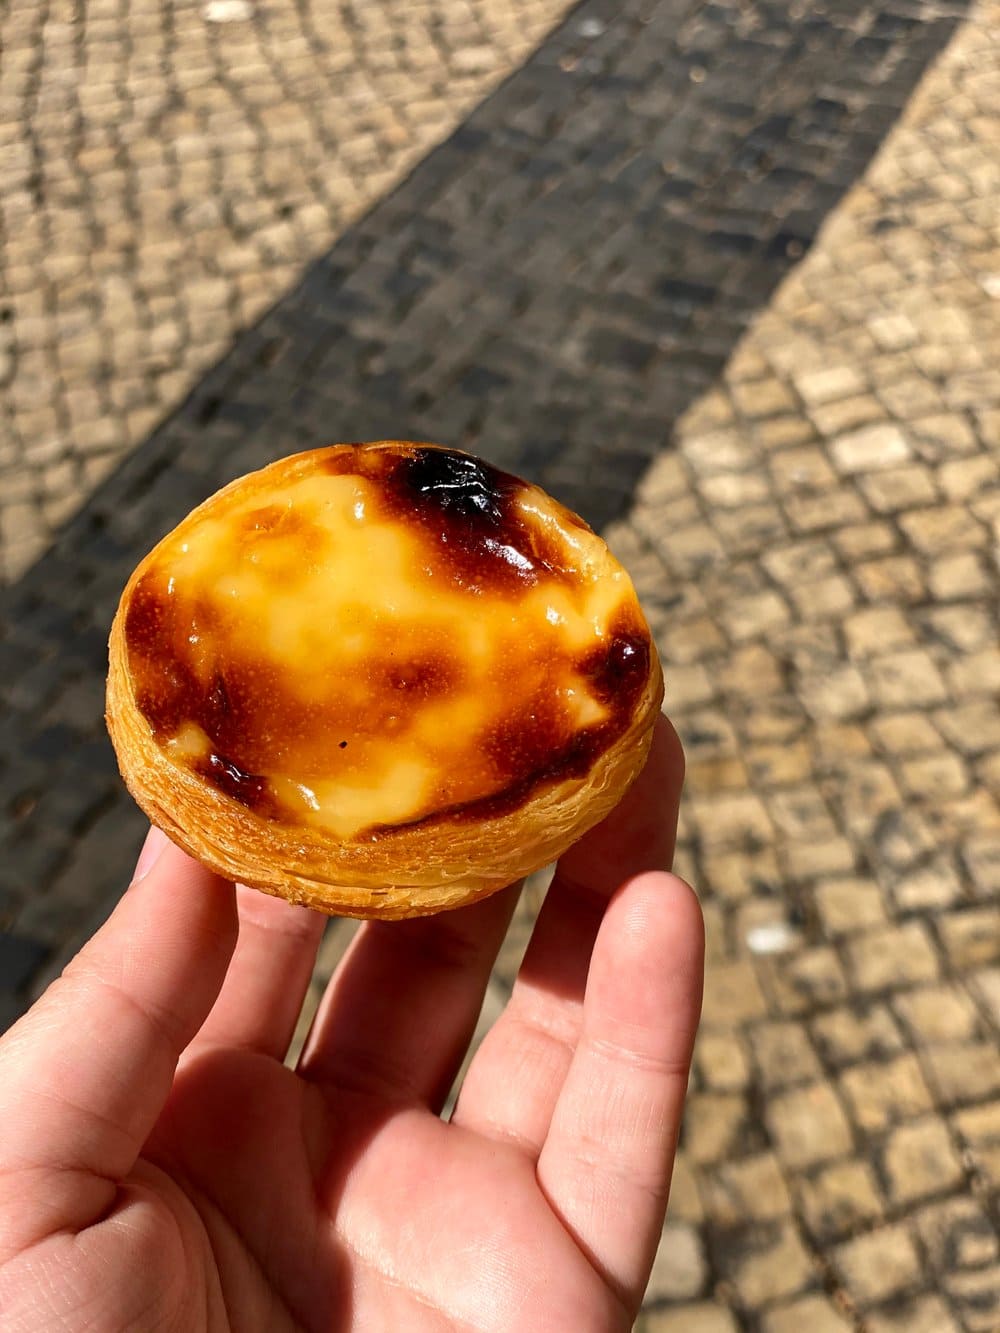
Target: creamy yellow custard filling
(366,637)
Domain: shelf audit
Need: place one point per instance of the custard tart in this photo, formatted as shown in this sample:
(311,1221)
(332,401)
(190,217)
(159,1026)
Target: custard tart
(382,680)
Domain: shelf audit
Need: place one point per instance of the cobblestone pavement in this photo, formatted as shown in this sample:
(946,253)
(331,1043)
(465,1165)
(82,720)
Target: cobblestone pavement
(824,537)
(168,170)
(617,279)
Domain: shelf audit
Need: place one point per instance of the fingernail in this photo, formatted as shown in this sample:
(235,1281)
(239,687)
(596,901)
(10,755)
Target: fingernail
(155,842)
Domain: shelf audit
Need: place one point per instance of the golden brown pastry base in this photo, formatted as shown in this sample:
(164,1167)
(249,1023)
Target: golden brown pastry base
(413,872)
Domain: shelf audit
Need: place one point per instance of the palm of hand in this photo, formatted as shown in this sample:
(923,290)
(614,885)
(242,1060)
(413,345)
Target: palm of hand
(228,1191)
(440,1228)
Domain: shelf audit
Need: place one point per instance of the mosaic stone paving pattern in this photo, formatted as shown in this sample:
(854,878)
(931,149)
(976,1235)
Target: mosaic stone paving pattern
(168,169)
(726,277)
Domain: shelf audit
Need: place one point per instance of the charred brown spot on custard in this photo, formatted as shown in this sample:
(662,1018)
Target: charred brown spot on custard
(618,670)
(542,743)
(521,741)
(249,789)
(160,680)
(147,610)
(168,692)
(253,721)
(158,644)
(536,746)
(469,513)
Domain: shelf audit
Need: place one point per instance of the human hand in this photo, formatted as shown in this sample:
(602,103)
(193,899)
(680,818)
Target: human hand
(162,1169)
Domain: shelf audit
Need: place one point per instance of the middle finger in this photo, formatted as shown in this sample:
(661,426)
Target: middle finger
(402,1007)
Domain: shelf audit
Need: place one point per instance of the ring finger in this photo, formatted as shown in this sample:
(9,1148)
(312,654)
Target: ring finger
(515,1078)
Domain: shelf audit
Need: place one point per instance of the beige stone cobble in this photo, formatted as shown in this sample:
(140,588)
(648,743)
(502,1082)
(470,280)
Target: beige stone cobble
(721,1061)
(905,733)
(959,576)
(802,469)
(972,727)
(746,1188)
(804,981)
(937,1014)
(838,693)
(919,1314)
(735,996)
(909,677)
(975,674)
(873,630)
(883,1264)
(774,765)
(957,1233)
(936,531)
(870,448)
(715,1127)
(680,1269)
(891,579)
(731,821)
(773,1265)
(849,904)
(891,957)
(970,938)
(883,1093)
(854,541)
(918,1160)
(735,876)
(847,415)
(977,1296)
(782,1054)
(965,1073)
(898,489)
(979,1129)
(934,886)
(818,1314)
(848,1035)
(685,1200)
(840,1199)
(698,1317)
(808,1126)
(985,986)
(808,860)
(981,855)
(934,775)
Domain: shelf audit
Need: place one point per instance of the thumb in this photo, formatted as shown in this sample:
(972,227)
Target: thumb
(85,1073)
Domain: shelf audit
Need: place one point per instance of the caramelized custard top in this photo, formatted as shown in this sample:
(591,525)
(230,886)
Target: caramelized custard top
(365,637)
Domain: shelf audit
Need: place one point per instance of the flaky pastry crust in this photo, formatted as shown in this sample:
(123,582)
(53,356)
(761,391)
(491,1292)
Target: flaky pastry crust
(438,860)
